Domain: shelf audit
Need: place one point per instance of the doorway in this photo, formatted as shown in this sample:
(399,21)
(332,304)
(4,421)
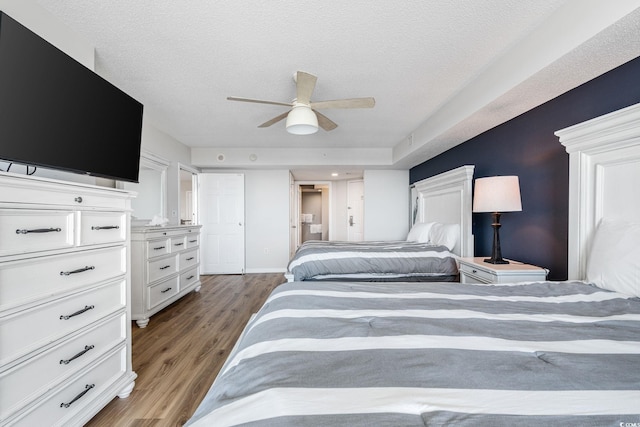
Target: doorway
(312,216)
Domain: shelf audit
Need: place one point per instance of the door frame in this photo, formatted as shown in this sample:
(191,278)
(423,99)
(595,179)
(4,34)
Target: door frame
(295,205)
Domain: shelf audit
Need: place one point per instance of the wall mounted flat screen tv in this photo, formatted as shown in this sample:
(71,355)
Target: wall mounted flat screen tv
(57,113)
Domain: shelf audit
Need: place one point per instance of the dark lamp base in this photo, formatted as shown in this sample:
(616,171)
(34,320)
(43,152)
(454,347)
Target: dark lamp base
(496,261)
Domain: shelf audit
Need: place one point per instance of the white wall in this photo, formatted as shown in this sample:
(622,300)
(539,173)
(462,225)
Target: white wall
(386,204)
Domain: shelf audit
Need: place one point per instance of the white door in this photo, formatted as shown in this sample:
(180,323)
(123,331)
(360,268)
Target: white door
(222,217)
(355,211)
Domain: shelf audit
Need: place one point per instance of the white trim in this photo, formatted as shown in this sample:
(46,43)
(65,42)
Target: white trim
(599,148)
(454,185)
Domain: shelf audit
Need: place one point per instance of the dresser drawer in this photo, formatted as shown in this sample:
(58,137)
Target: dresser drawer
(188,259)
(28,280)
(163,291)
(31,329)
(162,267)
(178,244)
(33,378)
(28,190)
(64,403)
(188,278)
(193,240)
(24,231)
(102,227)
(159,247)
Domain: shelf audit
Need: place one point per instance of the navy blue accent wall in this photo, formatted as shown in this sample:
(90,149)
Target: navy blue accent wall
(526,146)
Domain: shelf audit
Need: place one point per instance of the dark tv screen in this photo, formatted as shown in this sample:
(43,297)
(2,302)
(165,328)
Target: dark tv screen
(57,113)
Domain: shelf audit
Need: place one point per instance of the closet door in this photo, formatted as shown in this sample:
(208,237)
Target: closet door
(222,217)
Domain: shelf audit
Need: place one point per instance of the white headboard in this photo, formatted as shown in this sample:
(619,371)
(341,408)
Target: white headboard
(447,198)
(604,177)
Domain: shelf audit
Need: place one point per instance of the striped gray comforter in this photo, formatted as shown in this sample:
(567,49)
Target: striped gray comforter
(396,260)
(381,354)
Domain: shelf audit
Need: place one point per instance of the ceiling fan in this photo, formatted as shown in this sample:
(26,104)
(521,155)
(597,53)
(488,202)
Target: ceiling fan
(302,118)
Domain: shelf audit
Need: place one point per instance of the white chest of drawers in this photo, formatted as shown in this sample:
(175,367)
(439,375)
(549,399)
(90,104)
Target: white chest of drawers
(165,264)
(65,328)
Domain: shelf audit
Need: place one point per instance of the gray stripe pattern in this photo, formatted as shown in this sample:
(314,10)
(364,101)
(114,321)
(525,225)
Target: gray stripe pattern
(372,261)
(524,320)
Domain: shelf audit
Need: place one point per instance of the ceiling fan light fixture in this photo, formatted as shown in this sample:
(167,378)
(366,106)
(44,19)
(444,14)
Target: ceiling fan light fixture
(301,120)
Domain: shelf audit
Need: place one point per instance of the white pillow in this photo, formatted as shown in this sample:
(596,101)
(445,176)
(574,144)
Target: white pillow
(444,235)
(419,232)
(614,260)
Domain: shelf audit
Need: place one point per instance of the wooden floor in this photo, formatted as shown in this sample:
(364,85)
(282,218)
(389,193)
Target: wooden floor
(179,353)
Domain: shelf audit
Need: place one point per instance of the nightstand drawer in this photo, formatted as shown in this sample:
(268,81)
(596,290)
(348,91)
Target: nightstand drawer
(481,276)
(475,270)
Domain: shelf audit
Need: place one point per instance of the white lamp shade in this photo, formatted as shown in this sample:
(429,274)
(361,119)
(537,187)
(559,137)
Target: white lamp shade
(301,120)
(497,194)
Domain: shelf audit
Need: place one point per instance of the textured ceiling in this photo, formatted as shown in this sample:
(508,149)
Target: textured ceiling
(440,71)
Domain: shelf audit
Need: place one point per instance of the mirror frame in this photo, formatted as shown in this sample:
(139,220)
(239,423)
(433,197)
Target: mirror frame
(153,162)
(194,178)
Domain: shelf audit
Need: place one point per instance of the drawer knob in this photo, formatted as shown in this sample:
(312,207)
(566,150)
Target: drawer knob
(165,291)
(67,361)
(69,316)
(474,270)
(190,277)
(86,389)
(80,270)
(38,230)
(157,248)
(78,199)
(190,258)
(165,267)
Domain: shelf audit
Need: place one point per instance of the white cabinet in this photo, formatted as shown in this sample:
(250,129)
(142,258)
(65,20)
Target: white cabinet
(165,262)
(475,270)
(65,325)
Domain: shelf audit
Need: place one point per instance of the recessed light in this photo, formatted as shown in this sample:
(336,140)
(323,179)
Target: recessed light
(334,174)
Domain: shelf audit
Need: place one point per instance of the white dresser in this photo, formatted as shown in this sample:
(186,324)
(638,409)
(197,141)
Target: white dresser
(165,263)
(65,328)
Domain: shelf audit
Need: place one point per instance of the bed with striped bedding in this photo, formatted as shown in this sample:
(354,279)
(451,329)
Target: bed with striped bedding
(389,261)
(402,354)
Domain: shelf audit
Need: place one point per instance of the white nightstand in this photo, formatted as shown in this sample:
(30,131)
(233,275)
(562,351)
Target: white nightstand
(475,270)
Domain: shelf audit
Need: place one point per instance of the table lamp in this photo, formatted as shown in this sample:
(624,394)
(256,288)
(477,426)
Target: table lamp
(497,194)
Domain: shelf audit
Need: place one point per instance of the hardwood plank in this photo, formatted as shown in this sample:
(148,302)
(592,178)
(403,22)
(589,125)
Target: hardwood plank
(179,353)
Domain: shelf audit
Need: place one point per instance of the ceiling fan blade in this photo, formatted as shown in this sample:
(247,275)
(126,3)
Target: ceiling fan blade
(274,120)
(305,83)
(325,122)
(259,101)
(345,103)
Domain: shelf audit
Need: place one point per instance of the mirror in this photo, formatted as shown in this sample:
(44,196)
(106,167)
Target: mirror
(152,189)
(188,196)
